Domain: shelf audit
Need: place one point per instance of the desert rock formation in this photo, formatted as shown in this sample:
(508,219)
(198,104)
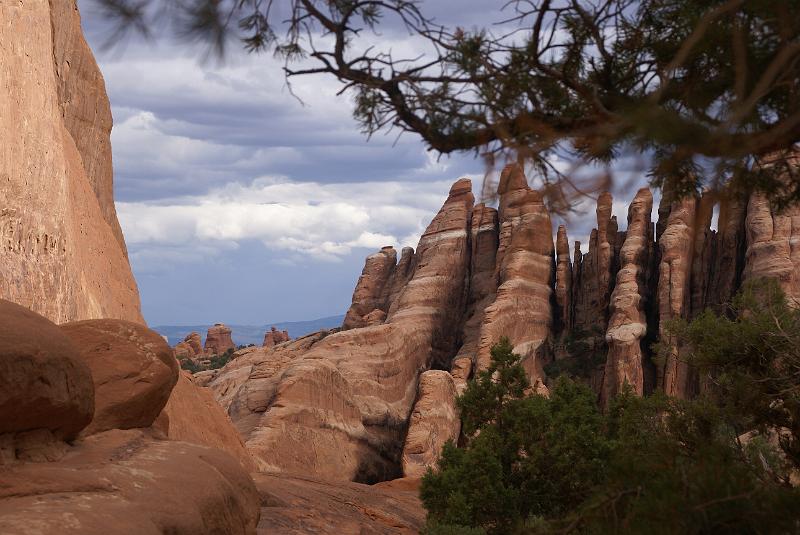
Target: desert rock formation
(376,398)
(433,422)
(107,480)
(274,336)
(627,325)
(218,340)
(61,249)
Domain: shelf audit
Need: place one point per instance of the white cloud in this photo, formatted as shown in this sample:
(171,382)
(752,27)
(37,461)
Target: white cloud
(317,221)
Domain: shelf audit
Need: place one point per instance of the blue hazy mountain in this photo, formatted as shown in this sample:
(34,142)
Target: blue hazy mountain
(251,334)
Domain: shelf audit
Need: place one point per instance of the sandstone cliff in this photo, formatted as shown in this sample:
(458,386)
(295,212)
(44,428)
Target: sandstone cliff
(61,249)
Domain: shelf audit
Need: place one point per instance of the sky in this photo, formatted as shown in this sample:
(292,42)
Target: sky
(243,204)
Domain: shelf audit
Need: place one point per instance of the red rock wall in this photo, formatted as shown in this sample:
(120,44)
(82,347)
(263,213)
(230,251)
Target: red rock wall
(61,250)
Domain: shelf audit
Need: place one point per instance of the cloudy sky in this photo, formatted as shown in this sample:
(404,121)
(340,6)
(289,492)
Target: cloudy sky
(241,204)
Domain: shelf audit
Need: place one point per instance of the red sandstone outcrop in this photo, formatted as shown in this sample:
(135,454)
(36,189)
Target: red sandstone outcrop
(194,341)
(302,505)
(218,339)
(274,337)
(62,252)
(563,291)
(369,292)
(524,270)
(674,292)
(132,367)
(773,247)
(594,272)
(193,415)
(433,422)
(729,253)
(628,324)
(114,481)
(336,405)
(482,283)
(129,482)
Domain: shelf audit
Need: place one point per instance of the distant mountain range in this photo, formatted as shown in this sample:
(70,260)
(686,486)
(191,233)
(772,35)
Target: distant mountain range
(251,334)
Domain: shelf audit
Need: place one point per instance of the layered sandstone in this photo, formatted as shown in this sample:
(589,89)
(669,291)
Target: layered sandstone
(434,421)
(676,246)
(563,290)
(61,249)
(524,271)
(482,283)
(627,325)
(336,405)
(218,340)
(773,248)
(369,294)
(301,505)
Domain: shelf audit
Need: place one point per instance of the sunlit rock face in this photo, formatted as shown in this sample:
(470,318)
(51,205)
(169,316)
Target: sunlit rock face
(62,253)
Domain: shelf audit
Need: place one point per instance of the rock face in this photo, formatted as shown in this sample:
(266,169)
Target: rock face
(218,340)
(434,421)
(62,253)
(336,405)
(301,505)
(594,272)
(193,415)
(676,246)
(524,271)
(628,324)
(773,248)
(132,367)
(370,294)
(129,482)
(274,336)
(374,400)
(45,387)
(563,317)
(114,481)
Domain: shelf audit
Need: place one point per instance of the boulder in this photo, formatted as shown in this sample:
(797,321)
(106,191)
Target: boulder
(45,387)
(218,340)
(132,367)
